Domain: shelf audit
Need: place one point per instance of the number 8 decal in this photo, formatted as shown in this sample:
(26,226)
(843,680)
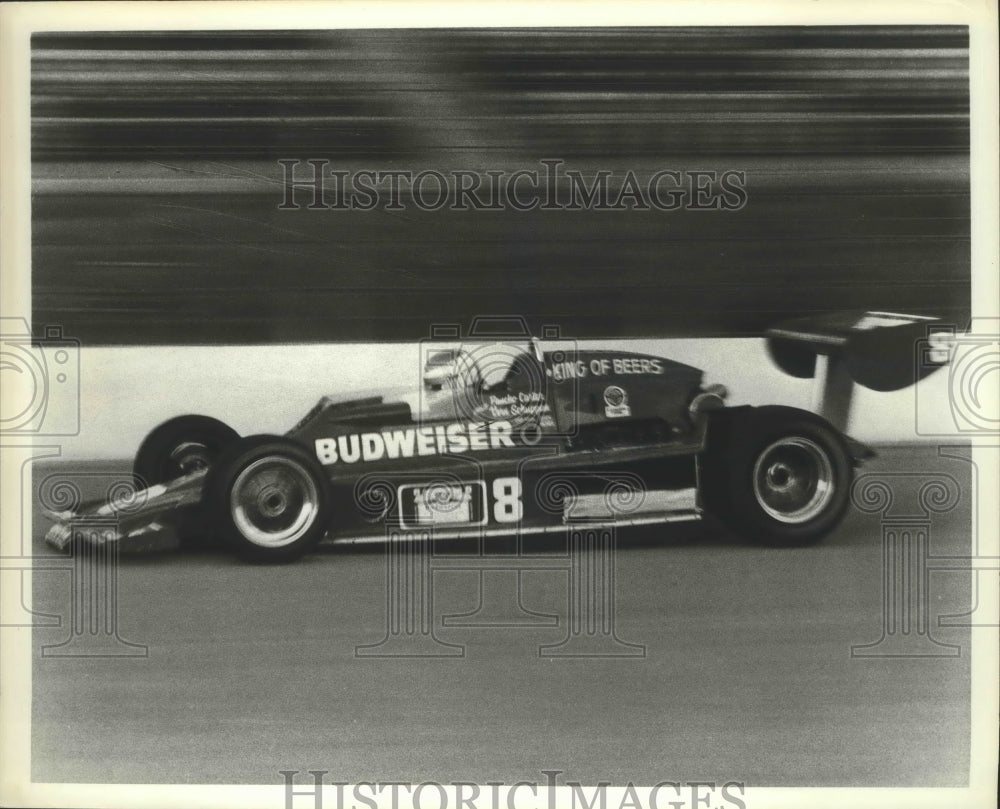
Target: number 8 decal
(507,506)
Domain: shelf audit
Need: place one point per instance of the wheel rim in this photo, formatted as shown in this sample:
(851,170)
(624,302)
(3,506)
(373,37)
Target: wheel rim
(274,502)
(793,480)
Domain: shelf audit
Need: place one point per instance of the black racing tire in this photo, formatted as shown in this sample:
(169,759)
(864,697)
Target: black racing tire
(268,499)
(776,475)
(178,446)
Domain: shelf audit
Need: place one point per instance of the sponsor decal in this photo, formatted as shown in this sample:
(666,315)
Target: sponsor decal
(616,402)
(444,504)
(408,442)
(605,366)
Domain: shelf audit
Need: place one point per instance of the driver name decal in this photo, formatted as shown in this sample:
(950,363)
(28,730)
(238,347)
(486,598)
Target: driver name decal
(516,405)
(409,442)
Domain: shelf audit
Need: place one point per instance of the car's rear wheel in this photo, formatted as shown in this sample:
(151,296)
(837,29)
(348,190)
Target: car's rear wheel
(268,499)
(180,446)
(777,475)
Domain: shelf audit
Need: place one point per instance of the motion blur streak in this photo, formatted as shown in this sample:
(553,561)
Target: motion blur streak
(156,183)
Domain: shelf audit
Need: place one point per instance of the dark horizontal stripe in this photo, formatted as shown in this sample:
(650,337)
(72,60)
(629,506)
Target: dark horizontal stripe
(774,90)
(872,36)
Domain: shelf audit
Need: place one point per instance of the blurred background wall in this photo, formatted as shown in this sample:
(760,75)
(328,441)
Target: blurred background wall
(126,391)
(156,186)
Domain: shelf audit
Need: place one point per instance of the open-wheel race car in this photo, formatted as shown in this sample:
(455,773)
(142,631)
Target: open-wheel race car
(518,438)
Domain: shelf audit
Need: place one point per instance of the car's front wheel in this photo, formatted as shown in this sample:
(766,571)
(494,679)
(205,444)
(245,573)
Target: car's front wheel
(268,499)
(778,475)
(180,446)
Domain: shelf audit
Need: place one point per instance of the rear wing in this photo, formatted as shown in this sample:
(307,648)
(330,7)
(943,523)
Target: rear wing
(877,350)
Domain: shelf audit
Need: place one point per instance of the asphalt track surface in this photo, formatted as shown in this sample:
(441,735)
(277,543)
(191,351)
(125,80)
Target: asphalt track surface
(747,674)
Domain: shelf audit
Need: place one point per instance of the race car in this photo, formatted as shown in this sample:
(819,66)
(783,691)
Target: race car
(510,438)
